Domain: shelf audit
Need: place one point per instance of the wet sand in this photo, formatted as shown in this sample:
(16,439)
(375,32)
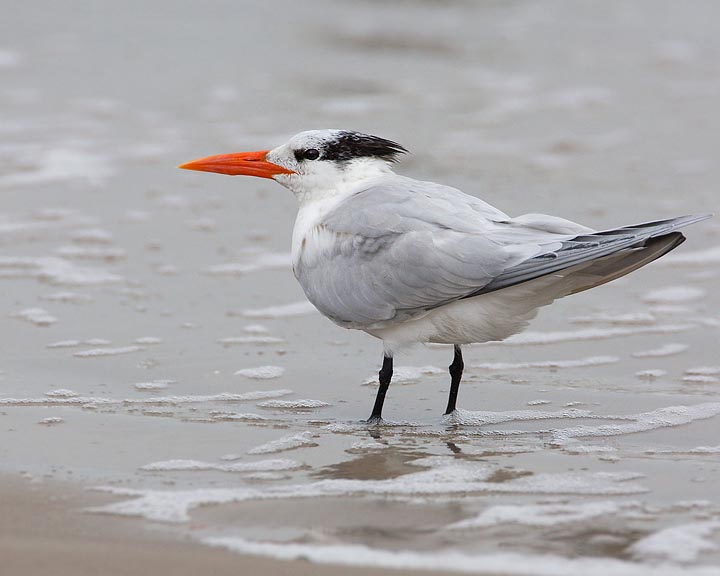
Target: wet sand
(44,530)
(154,344)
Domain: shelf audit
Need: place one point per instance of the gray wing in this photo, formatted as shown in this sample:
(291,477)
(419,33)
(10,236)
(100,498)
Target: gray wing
(585,248)
(401,247)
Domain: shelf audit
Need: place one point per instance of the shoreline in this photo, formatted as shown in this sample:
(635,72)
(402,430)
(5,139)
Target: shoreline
(43,530)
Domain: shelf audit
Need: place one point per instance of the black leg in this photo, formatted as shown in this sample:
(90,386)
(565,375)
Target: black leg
(456,370)
(385,376)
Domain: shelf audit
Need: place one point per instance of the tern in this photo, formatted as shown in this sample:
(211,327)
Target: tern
(409,261)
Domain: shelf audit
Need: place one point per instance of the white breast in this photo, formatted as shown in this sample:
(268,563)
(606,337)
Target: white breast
(308,241)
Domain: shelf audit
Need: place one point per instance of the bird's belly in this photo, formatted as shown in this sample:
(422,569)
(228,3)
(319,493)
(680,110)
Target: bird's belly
(485,318)
(462,322)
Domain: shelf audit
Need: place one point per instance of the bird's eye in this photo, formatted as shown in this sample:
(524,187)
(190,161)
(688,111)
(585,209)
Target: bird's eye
(311,154)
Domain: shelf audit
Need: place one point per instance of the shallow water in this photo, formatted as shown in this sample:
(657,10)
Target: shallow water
(155,343)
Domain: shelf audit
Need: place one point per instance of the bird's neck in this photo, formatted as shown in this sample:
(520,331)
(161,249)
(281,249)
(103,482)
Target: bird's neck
(334,182)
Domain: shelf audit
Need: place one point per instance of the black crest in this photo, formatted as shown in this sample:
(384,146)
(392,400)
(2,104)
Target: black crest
(348,145)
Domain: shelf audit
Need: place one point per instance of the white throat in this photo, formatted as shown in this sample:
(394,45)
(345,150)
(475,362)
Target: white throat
(318,196)
(330,180)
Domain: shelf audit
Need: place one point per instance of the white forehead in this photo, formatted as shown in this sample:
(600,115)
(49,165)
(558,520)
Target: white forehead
(312,138)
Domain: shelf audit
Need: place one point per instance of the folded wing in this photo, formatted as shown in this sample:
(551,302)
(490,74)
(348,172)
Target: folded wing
(398,249)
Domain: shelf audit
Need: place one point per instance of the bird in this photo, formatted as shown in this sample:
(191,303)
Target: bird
(409,261)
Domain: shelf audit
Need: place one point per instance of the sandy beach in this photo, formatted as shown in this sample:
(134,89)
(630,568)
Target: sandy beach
(170,401)
(45,531)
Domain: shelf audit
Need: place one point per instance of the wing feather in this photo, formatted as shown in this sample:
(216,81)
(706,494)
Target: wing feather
(585,248)
(399,248)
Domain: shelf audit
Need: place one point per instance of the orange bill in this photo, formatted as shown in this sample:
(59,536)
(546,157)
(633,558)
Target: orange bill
(237,164)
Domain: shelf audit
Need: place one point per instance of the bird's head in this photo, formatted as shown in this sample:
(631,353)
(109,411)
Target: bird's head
(312,164)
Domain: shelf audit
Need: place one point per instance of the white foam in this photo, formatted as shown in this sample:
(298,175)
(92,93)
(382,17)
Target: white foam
(256,329)
(75,343)
(550,364)
(367,445)
(630,319)
(96,342)
(148,340)
(165,412)
(266,261)
(59,401)
(676,309)
(543,515)
(674,295)
(701,378)
(708,321)
(92,236)
(272,465)
(304,404)
(102,352)
(705,450)
(55,214)
(154,385)
(448,476)
(697,450)
(574,447)
(479,418)
(406,374)
(505,563)
(291,442)
(37,316)
(57,164)
(90,401)
(343,428)
(643,422)
(106,253)
(242,340)
(230,457)
(704,370)
(61,393)
(590,334)
(223,397)
(651,374)
(301,308)
(262,372)
(665,350)
(56,271)
(237,416)
(51,421)
(682,543)
(266,476)
(15,229)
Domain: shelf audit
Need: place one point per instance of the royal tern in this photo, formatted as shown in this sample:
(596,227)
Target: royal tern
(410,261)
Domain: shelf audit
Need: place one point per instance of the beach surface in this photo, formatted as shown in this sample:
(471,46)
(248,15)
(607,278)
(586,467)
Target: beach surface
(170,401)
(43,530)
